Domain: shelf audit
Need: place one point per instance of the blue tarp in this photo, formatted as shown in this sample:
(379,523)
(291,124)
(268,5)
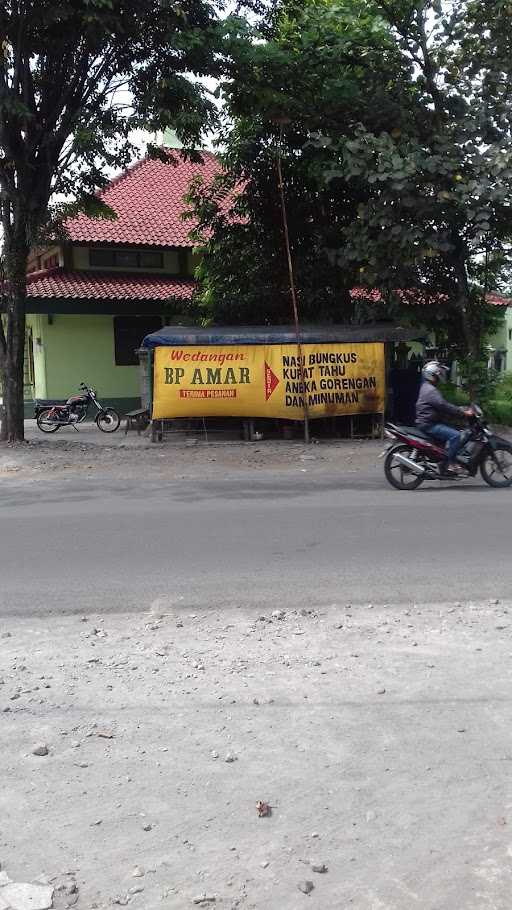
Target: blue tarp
(178,335)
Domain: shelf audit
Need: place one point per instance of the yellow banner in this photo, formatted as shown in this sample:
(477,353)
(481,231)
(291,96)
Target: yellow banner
(265,380)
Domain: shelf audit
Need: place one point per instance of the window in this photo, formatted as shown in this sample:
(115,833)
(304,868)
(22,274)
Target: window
(184,266)
(510,334)
(152,259)
(126,259)
(103,258)
(128,334)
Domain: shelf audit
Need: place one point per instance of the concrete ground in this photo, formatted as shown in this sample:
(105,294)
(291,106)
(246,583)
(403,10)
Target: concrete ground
(189,630)
(232,523)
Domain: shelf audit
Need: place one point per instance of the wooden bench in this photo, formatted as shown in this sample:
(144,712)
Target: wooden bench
(137,420)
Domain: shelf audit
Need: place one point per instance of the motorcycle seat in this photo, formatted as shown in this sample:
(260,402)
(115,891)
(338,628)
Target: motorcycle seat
(47,403)
(412,431)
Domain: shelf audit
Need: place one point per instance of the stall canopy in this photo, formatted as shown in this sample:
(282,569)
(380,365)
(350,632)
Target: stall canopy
(177,335)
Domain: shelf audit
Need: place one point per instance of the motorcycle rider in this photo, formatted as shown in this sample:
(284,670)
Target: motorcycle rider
(431,408)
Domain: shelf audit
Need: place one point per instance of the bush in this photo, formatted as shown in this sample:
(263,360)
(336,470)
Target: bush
(504,387)
(453,394)
(499,410)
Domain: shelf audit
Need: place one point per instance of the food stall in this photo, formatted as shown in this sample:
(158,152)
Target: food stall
(250,372)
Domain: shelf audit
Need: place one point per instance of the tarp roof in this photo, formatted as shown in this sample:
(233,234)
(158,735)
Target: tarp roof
(179,335)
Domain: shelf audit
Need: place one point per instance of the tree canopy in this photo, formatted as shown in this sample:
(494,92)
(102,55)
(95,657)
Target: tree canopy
(437,215)
(286,79)
(396,144)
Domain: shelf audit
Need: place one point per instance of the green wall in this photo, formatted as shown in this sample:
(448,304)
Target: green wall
(81,349)
(501,339)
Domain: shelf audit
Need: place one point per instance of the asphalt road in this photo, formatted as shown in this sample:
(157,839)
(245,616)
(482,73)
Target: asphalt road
(292,539)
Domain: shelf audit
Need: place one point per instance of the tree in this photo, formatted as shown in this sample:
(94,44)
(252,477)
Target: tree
(303,69)
(437,213)
(75,79)
(397,156)
(243,274)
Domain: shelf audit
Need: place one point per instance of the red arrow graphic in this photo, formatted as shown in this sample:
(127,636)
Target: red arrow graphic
(271,381)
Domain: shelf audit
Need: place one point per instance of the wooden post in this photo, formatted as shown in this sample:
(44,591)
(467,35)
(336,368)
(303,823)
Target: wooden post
(293,292)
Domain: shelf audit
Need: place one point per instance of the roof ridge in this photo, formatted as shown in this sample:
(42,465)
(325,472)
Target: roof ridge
(498,296)
(184,152)
(128,171)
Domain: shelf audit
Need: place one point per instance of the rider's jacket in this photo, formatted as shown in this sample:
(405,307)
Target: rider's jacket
(431,407)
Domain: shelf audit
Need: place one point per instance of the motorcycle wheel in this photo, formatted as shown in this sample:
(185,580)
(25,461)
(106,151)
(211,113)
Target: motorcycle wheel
(45,425)
(397,474)
(496,467)
(108,420)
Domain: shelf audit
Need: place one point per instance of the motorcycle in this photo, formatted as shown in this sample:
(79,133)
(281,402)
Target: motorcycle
(414,457)
(51,416)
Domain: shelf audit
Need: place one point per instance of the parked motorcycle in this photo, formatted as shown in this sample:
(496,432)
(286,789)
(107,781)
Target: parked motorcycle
(413,457)
(51,416)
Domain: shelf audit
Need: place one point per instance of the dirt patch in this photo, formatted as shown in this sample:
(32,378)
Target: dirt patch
(127,459)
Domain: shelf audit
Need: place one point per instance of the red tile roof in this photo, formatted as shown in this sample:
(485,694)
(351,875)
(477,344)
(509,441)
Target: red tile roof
(148,199)
(415,296)
(58,283)
(498,299)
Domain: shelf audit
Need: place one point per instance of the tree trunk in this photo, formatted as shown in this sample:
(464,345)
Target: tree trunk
(3,424)
(13,341)
(471,334)
(472,339)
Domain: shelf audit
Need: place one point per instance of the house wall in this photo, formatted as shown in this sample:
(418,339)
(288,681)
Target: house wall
(502,341)
(171,259)
(46,258)
(508,338)
(81,349)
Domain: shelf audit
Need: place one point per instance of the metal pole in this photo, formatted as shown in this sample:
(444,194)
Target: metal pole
(293,292)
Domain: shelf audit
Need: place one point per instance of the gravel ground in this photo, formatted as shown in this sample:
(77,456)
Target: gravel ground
(380,737)
(94,453)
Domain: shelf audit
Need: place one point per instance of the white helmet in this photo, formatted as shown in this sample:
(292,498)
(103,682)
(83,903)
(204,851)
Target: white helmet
(434,370)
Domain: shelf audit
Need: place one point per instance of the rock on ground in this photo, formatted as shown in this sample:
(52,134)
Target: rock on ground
(23,896)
